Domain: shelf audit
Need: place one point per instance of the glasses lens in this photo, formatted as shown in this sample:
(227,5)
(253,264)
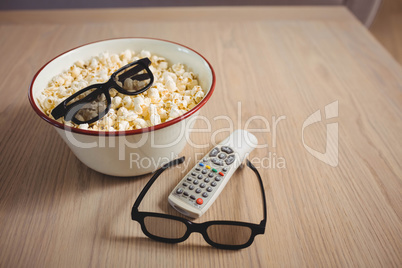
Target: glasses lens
(81,96)
(226,234)
(94,107)
(165,228)
(133,78)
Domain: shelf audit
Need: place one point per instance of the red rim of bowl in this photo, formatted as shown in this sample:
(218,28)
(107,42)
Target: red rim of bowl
(126,132)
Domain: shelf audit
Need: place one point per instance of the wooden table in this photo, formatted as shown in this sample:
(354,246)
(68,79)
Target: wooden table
(280,63)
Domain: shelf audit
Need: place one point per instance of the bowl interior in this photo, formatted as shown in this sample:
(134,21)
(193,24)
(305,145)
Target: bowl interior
(174,53)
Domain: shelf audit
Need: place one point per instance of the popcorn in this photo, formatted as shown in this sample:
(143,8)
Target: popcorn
(112,114)
(122,112)
(80,63)
(130,116)
(106,122)
(116,102)
(127,102)
(138,102)
(48,103)
(114,58)
(163,65)
(113,92)
(140,123)
(123,125)
(174,112)
(152,109)
(126,55)
(103,75)
(153,94)
(191,105)
(145,54)
(155,119)
(62,92)
(104,58)
(184,102)
(162,113)
(83,126)
(178,68)
(75,71)
(175,91)
(128,83)
(170,84)
(58,80)
(94,63)
(169,75)
(199,96)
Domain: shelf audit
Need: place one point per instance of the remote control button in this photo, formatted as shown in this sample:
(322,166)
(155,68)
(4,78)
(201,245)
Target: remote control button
(191,187)
(208,167)
(230,159)
(214,152)
(185,193)
(198,190)
(221,173)
(193,173)
(202,185)
(211,174)
(227,149)
(206,179)
(189,179)
(214,170)
(199,201)
(217,178)
(209,189)
(201,164)
(204,194)
(205,160)
(179,190)
(217,161)
(195,182)
(204,171)
(212,184)
(192,197)
(198,169)
(224,169)
(185,184)
(222,156)
(199,177)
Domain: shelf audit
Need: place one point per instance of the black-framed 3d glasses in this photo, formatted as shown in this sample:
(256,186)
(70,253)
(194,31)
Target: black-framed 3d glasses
(93,102)
(173,229)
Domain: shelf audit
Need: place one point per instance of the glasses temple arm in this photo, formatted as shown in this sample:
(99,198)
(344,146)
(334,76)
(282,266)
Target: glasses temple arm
(262,190)
(59,111)
(142,64)
(153,179)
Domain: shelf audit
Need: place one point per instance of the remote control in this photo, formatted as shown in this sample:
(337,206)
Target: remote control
(202,185)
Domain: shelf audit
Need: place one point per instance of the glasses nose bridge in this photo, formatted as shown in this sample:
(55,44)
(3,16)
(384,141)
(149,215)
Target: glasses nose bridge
(107,85)
(196,227)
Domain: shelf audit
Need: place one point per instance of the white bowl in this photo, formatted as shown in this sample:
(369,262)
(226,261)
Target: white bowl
(132,152)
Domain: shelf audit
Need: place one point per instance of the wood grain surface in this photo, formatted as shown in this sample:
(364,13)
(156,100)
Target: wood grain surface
(387,27)
(282,64)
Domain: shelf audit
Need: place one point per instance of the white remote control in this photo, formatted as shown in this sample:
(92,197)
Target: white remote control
(202,185)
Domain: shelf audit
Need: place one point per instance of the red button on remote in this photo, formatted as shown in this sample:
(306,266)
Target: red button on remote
(199,201)
(221,173)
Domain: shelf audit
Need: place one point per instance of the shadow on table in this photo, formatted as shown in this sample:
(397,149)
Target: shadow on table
(152,244)
(118,228)
(41,177)
(37,167)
